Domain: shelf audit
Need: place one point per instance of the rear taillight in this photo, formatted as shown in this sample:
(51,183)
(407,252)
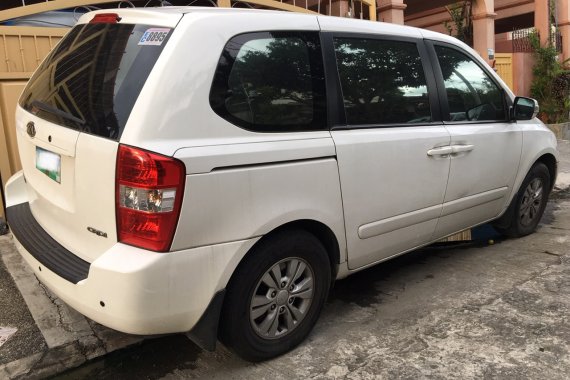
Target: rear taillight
(149,191)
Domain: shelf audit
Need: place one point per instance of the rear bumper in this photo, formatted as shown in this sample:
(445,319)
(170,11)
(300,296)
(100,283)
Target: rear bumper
(137,291)
(43,247)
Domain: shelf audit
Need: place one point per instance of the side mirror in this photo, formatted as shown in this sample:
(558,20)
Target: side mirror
(524,108)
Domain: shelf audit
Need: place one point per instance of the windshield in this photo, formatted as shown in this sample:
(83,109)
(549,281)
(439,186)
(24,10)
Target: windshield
(91,80)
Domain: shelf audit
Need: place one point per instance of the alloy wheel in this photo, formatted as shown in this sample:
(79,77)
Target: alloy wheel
(531,202)
(282,298)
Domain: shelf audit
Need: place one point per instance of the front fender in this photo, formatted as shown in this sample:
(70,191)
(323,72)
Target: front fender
(538,141)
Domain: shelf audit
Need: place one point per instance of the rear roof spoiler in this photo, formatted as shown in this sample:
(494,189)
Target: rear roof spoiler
(148,16)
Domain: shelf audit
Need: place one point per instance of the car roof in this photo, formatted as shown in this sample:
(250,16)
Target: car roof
(327,23)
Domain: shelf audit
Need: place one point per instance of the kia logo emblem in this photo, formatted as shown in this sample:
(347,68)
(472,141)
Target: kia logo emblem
(31,129)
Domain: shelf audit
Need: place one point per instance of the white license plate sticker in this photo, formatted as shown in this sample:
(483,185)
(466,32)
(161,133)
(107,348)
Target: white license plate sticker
(49,163)
(154,36)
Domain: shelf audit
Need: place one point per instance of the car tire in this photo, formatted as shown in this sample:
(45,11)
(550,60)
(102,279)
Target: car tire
(276,295)
(526,208)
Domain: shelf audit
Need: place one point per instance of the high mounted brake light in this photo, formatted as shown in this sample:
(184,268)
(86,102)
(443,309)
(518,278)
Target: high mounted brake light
(105,18)
(149,190)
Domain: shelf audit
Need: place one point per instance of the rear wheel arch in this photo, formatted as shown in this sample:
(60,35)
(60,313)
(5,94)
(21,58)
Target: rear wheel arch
(320,230)
(207,330)
(325,235)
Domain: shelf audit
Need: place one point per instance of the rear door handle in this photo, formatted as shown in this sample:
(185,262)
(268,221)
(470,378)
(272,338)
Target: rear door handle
(441,151)
(462,148)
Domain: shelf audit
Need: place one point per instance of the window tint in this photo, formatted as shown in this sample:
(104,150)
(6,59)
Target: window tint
(91,80)
(382,81)
(471,94)
(271,82)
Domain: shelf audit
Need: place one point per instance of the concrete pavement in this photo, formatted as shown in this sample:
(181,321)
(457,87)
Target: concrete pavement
(51,337)
(470,310)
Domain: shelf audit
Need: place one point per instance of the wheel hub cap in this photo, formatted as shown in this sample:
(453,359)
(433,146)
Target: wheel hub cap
(531,201)
(281,298)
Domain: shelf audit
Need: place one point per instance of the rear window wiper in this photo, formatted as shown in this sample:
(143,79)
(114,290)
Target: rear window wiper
(56,111)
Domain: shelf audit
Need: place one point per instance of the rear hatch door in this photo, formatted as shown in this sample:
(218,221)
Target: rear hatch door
(72,115)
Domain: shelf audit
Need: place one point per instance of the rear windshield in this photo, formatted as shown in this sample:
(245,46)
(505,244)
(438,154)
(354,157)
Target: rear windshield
(92,79)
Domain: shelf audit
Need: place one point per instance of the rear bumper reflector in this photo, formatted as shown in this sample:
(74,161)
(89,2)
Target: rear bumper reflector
(43,247)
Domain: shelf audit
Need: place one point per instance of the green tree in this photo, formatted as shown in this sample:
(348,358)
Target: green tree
(551,82)
(461,25)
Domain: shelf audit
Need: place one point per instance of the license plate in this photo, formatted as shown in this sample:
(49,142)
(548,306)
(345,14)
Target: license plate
(49,163)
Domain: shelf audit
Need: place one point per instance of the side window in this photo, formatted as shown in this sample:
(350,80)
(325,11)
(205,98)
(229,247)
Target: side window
(382,81)
(471,94)
(271,82)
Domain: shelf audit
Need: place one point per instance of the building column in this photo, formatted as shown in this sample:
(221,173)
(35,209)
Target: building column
(484,28)
(391,11)
(563,16)
(542,20)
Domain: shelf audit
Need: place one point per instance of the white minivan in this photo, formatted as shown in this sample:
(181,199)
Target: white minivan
(213,171)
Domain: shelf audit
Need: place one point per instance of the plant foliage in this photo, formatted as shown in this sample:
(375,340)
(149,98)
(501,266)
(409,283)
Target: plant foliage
(551,82)
(461,25)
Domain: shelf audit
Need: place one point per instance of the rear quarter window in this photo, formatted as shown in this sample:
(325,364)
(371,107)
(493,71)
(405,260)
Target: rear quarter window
(271,82)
